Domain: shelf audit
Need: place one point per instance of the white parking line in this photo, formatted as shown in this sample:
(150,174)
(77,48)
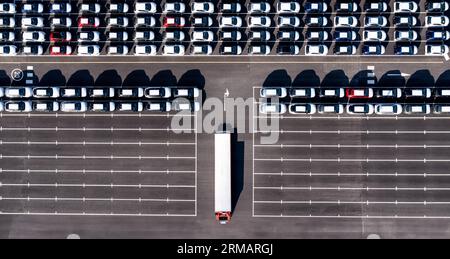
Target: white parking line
(87,171)
(367,203)
(84,199)
(112,157)
(357,160)
(90,214)
(106,143)
(367,146)
(62,185)
(339,188)
(366,174)
(88,129)
(367,216)
(363,132)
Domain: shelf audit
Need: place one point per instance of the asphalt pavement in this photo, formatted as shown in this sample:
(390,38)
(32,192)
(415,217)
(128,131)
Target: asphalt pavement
(111,163)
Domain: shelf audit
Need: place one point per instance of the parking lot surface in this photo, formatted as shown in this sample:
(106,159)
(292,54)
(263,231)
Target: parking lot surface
(405,171)
(96,164)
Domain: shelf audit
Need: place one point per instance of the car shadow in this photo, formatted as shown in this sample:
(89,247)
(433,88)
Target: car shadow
(53,78)
(109,78)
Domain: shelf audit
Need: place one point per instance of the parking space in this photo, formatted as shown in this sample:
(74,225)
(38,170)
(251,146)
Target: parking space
(353,166)
(224,27)
(96,165)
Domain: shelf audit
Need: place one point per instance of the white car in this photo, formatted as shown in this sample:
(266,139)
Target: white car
(174,35)
(261,7)
(33,8)
(45,106)
(144,35)
(331,108)
(157,92)
(61,22)
(7,8)
(202,49)
(230,22)
(145,50)
(417,109)
(375,21)
(101,92)
(345,21)
(18,106)
(7,36)
(119,50)
(32,22)
(91,36)
(259,21)
(374,35)
(88,50)
(174,8)
(102,107)
(118,22)
(366,109)
(436,21)
(316,50)
(202,36)
(18,92)
(130,106)
(46,92)
(33,36)
(388,109)
(405,7)
(436,49)
(149,21)
(173,50)
(259,50)
(7,22)
(90,8)
(73,92)
(73,106)
(305,108)
(270,92)
(145,7)
(159,106)
(272,108)
(390,93)
(119,7)
(35,50)
(117,35)
(8,50)
(60,8)
(233,7)
(203,7)
(288,7)
(405,35)
(288,21)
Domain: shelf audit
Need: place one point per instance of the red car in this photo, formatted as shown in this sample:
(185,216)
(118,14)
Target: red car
(174,22)
(359,93)
(60,36)
(60,50)
(88,22)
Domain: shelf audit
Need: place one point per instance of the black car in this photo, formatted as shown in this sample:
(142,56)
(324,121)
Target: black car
(288,49)
(436,6)
(439,35)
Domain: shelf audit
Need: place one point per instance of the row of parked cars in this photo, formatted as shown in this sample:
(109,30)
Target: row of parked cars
(42,92)
(354,93)
(359,109)
(99,106)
